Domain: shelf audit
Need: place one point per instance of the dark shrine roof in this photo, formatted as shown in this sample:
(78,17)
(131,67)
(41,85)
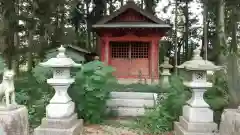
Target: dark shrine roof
(156,22)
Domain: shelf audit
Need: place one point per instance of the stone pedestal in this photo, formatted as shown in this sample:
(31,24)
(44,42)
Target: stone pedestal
(15,122)
(63,126)
(230,122)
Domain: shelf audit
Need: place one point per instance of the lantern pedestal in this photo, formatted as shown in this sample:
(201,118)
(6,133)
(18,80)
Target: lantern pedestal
(197,117)
(63,126)
(184,127)
(60,116)
(165,75)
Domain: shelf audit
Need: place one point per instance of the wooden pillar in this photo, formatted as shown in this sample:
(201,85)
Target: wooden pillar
(154,59)
(157,58)
(107,51)
(102,43)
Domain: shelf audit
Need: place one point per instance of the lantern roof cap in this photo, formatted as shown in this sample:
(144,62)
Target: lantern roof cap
(198,63)
(61,60)
(166,64)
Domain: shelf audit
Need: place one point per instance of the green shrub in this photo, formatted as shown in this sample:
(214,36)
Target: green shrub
(90,91)
(34,96)
(161,118)
(218,96)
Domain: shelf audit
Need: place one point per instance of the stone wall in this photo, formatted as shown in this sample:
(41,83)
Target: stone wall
(131,104)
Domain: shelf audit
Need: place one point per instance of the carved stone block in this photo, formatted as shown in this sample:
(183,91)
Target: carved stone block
(15,122)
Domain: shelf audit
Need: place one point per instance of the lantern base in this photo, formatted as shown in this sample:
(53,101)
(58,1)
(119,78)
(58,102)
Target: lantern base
(184,127)
(192,114)
(58,111)
(63,126)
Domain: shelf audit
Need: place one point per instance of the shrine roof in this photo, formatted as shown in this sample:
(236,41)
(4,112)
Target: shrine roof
(156,22)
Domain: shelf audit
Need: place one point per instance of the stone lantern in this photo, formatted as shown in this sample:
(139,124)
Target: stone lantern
(197,116)
(164,80)
(60,115)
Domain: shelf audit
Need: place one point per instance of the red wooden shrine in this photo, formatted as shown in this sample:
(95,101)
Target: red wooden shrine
(129,41)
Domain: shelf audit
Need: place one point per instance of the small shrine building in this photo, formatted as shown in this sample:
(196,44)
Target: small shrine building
(129,41)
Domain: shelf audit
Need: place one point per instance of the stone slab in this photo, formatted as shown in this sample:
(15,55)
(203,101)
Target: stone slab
(133,95)
(15,122)
(230,122)
(179,130)
(198,126)
(131,103)
(128,112)
(76,128)
(192,114)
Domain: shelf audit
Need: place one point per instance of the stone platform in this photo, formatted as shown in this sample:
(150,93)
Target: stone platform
(67,126)
(184,127)
(131,104)
(15,121)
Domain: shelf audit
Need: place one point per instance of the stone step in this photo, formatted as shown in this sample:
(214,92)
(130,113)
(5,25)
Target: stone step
(133,95)
(132,103)
(128,112)
(179,130)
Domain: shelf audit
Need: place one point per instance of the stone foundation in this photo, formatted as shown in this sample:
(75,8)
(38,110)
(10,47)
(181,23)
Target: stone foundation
(15,122)
(67,126)
(184,127)
(131,104)
(230,122)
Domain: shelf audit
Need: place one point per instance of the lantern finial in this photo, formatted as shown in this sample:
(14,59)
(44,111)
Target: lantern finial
(196,54)
(61,51)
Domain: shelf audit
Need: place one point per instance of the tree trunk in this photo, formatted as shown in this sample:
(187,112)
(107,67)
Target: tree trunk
(233,46)
(205,30)
(232,64)
(111,6)
(186,31)
(142,4)
(88,29)
(220,31)
(175,36)
(30,51)
(17,55)
(149,6)
(122,2)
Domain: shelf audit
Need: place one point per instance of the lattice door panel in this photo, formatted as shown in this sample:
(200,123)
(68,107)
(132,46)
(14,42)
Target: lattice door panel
(120,58)
(139,59)
(129,58)
(139,50)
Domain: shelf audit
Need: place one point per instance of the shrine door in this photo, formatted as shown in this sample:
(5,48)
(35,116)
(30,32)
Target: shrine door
(130,59)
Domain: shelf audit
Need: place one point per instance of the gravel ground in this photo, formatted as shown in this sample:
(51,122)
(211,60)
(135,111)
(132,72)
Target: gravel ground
(108,130)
